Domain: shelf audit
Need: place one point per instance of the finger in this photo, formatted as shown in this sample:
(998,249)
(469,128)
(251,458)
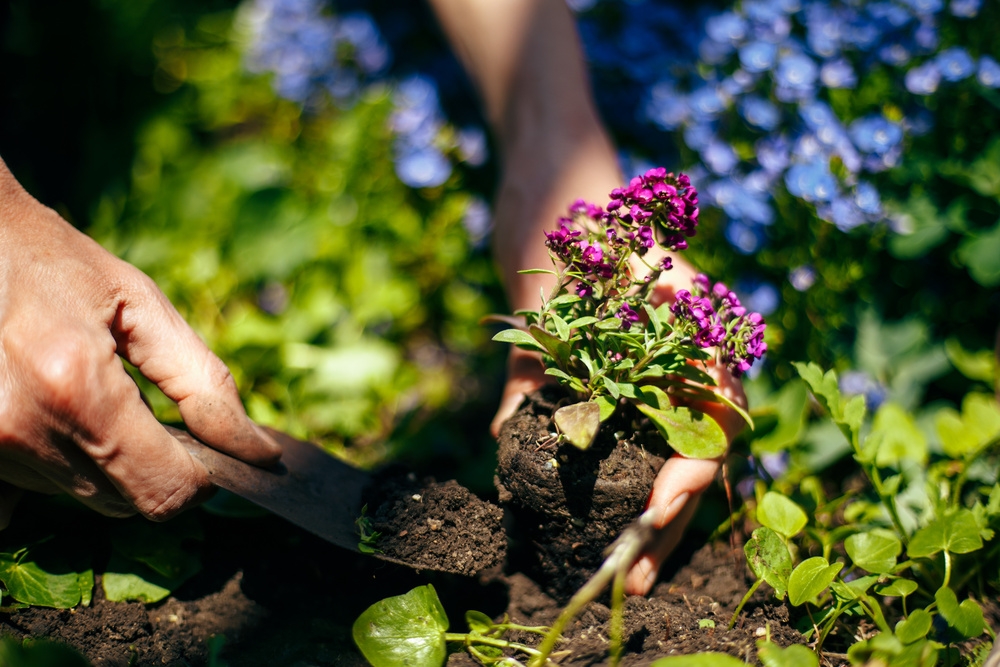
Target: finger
(152,335)
(679,479)
(9,495)
(525,374)
(81,479)
(642,576)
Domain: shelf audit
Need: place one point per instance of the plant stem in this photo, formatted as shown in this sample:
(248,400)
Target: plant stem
(746,598)
(947,568)
(617,616)
(469,639)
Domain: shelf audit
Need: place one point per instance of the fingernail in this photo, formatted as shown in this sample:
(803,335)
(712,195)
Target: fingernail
(672,508)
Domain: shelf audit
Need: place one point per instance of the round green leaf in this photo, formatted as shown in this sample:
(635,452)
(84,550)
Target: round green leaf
(478,622)
(897,588)
(957,533)
(915,627)
(796,655)
(404,631)
(875,551)
(966,618)
(810,578)
(781,514)
(579,423)
(44,579)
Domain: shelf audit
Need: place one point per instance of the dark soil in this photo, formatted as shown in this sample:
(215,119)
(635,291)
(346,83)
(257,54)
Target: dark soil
(436,525)
(567,504)
(278,596)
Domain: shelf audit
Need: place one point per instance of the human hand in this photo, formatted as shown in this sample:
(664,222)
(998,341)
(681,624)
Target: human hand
(71,418)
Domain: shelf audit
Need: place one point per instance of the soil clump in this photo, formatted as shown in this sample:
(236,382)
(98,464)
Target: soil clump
(567,505)
(438,525)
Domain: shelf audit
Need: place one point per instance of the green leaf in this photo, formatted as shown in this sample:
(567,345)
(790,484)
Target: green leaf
(404,631)
(957,533)
(518,337)
(849,414)
(126,579)
(966,618)
(981,255)
(810,578)
(561,327)
(768,558)
(478,622)
(579,423)
(897,588)
(900,437)
(611,386)
(981,365)
(915,627)
(654,319)
(559,349)
(925,228)
(781,514)
(606,406)
(796,655)
(791,408)
(528,272)
(583,321)
(875,551)
(706,659)
(691,433)
(38,653)
(42,578)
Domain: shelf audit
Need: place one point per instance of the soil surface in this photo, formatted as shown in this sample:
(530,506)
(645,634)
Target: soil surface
(436,525)
(566,504)
(270,594)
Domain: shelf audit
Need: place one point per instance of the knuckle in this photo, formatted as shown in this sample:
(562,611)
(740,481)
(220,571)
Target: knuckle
(165,503)
(62,372)
(218,375)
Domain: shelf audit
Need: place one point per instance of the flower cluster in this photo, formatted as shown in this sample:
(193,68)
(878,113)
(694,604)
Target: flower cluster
(749,89)
(659,198)
(712,316)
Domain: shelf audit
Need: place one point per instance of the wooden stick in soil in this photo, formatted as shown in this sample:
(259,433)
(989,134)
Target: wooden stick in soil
(620,556)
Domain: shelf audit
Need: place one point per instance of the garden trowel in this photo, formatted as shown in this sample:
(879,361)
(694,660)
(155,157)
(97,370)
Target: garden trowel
(308,487)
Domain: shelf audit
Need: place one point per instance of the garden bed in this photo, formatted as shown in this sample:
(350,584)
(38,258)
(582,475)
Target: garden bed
(279,596)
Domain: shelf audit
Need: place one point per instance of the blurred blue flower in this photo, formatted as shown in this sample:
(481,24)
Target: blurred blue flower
(890,13)
(896,54)
(370,52)
(478,221)
(666,107)
(838,74)
(842,212)
(796,77)
(775,464)
(698,135)
(581,5)
(855,383)
(875,134)
(719,156)
(773,153)
(712,52)
(740,202)
(746,239)
(955,64)
(925,7)
(802,277)
(825,28)
(758,56)
(867,199)
(817,115)
(760,112)
(926,36)
(471,144)
(918,122)
(989,72)
(924,79)
(758,295)
(706,101)
(726,27)
(425,167)
(965,9)
(811,181)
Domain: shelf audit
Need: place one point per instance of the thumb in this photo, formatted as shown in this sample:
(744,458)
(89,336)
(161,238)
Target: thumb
(525,374)
(152,335)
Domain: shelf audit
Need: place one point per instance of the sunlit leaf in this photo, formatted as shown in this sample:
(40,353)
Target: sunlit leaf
(478,622)
(579,422)
(781,514)
(810,578)
(768,558)
(404,631)
(875,550)
(900,437)
(965,618)
(957,533)
(43,578)
(914,627)
(897,588)
(518,337)
(691,433)
(796,655)
(706,659)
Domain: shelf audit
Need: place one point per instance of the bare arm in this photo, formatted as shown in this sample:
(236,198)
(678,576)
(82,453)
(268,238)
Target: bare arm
(526,61)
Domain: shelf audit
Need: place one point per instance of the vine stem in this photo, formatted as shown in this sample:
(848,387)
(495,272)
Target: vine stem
(947,568)
(746,598)
(637,537)
(468,639)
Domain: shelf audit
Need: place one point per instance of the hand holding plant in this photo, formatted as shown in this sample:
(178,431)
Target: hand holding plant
(601,336)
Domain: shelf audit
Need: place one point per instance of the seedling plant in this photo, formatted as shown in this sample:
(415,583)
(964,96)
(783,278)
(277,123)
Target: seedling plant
(917,546)
(605,333)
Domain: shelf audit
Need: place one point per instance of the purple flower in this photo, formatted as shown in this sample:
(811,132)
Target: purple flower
(660,199)
(627,316)
(562,241)
(584,290)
